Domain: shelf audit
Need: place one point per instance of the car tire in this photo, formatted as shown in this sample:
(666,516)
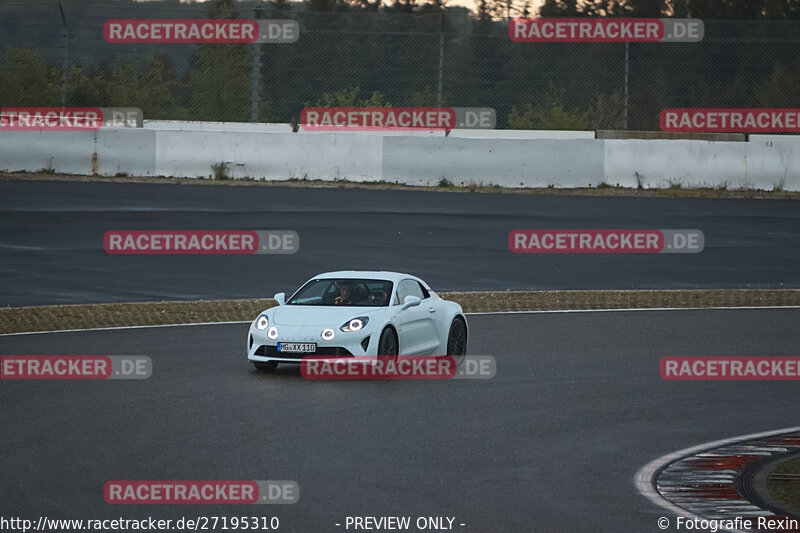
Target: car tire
(269,366)
(457,340)
(388,346)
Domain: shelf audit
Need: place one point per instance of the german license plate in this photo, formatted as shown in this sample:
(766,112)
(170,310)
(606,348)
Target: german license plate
(297,347)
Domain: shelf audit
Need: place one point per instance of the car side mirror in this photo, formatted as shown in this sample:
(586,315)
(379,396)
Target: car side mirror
(280,298)
(410,301)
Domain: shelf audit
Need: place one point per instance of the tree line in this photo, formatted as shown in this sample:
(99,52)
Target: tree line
(400,53)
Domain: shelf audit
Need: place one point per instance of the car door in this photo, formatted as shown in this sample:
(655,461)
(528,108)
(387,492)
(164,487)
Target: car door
(418,334)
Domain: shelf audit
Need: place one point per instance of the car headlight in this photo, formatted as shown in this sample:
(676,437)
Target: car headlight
(272,333)
(355,324)
(262,322)
(327,334)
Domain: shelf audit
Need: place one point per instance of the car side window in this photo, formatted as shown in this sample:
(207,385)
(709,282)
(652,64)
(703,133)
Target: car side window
(408,287)
(425,293)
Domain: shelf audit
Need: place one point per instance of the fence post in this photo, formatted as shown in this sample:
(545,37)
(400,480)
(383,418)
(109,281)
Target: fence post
(627,67)
(441,62)
(255,76)
(65,46)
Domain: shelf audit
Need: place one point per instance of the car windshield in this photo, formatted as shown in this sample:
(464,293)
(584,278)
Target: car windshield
(344,292)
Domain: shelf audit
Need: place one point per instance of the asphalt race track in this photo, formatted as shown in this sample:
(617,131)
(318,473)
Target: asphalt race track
(551,444)
(51,240)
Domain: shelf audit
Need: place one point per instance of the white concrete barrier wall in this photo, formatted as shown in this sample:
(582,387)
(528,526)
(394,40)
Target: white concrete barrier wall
(762,164)
(68,152)
(275,156)
(506,162)
(125,151)
(128,151)
(702,163)
(520,134)
(773,138)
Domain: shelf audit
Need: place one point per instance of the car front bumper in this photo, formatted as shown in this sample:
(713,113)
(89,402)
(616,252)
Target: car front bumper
(262,349)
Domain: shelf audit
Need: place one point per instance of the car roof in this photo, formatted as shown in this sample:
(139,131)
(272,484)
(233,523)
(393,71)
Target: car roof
(368,274)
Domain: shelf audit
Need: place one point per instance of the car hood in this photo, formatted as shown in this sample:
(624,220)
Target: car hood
(309,315)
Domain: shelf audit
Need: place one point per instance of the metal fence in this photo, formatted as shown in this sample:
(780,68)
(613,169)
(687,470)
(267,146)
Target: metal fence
(55,54)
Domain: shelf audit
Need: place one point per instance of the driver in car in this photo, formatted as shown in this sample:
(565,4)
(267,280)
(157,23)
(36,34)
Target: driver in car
(346,295)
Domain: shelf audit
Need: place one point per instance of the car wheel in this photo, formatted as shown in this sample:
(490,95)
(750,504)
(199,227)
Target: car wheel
(388,347)
(457,340)
(269,366)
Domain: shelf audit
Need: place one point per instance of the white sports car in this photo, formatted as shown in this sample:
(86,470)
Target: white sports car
(357,313)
